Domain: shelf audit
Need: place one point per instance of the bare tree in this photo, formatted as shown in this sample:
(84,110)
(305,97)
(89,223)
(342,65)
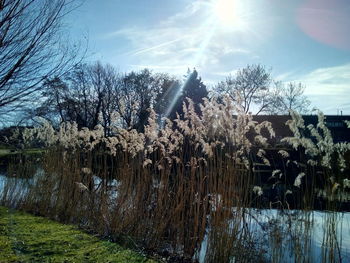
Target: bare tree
(98,94)
(137,92)
(82,95)
(109,99)
(30,47)
(289,97)
(87,85)
(250,87)
(54,102)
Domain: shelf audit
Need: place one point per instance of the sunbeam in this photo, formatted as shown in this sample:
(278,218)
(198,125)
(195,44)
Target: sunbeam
(224,16)
(210,29)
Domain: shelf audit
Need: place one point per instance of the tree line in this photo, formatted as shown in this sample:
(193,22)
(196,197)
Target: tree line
(92,94)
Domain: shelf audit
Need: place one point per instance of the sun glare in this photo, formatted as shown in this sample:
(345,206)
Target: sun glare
(229,13)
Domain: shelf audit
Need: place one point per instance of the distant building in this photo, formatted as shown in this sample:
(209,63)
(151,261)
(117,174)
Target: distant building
(335,123)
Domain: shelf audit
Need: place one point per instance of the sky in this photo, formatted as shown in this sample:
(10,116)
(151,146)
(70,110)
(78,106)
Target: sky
(305,41)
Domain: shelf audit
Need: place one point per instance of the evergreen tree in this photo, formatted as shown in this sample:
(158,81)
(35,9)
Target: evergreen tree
(192,88)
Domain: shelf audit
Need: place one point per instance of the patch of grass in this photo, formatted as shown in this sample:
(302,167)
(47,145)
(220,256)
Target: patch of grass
(28,238)
(4,152)
(31,151)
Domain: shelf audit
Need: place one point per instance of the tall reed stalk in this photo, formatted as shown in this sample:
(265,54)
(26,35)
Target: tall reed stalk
(189,186)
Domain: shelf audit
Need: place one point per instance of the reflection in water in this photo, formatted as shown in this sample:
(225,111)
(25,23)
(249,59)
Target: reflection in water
(253,235)
(284,236)
(15,189)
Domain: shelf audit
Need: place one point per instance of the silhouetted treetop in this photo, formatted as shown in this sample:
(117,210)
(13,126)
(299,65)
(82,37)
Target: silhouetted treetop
(192,88)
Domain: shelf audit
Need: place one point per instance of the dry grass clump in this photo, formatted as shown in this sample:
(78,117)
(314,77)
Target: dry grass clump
(176,184)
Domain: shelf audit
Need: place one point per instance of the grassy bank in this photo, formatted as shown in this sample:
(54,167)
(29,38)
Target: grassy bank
(7,151)
(27,238)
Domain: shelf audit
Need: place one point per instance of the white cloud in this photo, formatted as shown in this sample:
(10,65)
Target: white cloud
(156,67)
(284,76)
(226,73)
(189,11)
(186,39)
(328,88)
(328,81)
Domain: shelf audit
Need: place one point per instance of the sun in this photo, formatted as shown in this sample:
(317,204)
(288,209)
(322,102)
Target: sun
(229,13)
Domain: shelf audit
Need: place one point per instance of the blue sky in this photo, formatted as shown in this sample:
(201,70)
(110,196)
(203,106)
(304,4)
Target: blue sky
(300,40)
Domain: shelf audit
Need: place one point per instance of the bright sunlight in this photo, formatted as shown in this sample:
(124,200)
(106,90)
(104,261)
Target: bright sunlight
(229,14)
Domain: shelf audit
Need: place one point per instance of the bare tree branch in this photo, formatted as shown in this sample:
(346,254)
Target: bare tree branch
(31,49)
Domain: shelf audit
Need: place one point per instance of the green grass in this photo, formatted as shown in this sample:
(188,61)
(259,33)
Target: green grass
(28,238)
(7,151)
(4,152)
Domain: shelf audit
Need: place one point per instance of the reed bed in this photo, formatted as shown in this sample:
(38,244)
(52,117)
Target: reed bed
(189,189)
